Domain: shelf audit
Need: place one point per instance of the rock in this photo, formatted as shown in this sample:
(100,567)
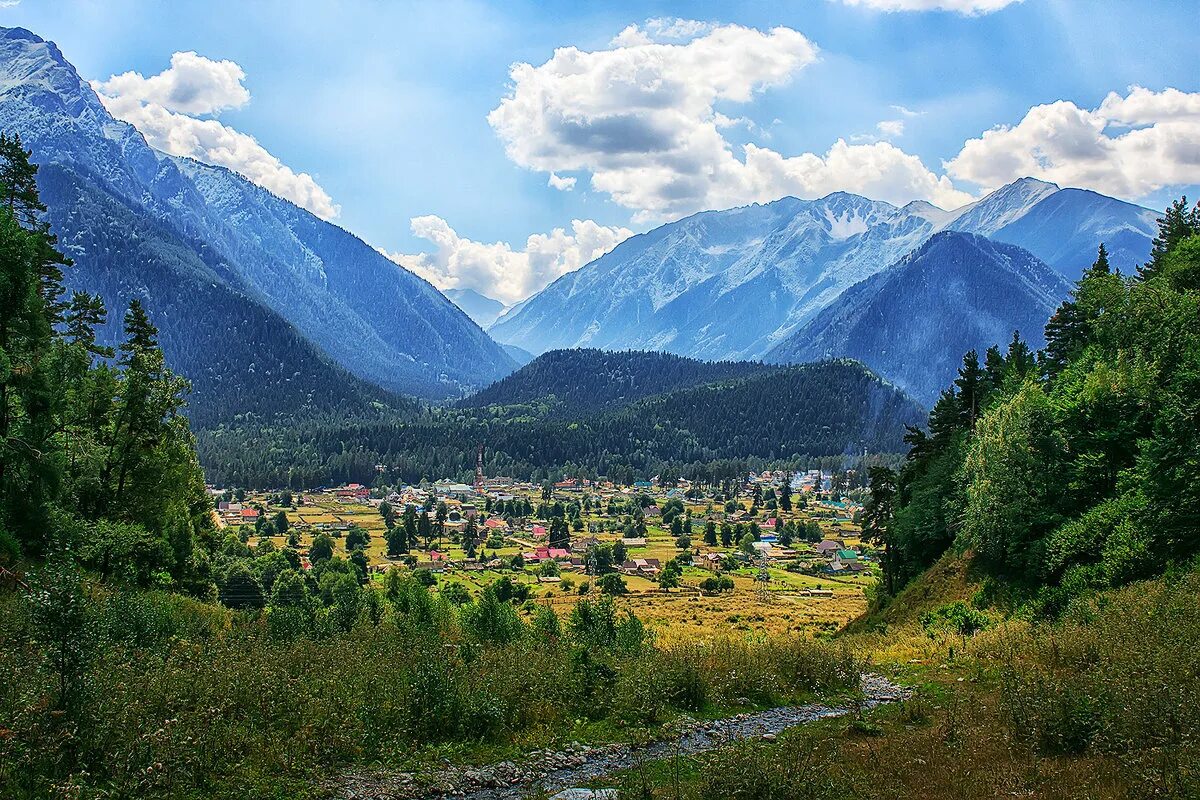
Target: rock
(769,737)
(585,794)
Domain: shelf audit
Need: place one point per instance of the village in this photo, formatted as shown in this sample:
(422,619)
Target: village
(776,552)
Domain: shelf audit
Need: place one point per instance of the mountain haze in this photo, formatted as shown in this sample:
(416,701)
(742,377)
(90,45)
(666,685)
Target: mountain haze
(482,309)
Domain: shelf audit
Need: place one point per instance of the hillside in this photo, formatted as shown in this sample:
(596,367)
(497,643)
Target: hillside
(795,413)
(582,382)
(912,322)
(307,281)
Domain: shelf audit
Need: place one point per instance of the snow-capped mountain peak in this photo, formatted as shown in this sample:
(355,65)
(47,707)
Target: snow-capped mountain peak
(732,284)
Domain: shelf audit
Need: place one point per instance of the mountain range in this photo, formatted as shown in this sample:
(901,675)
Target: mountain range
(912,322)
(270,310)
(735,284)
(251,293)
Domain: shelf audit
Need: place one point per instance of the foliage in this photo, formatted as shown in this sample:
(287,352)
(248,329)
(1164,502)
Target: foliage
(1076,470)
(96,458)
(710,433)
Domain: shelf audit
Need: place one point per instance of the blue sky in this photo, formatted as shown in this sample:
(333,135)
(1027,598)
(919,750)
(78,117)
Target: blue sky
(386,106)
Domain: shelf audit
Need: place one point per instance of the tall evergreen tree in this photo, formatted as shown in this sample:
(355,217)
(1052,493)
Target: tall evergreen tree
(971,387)
(1177,223)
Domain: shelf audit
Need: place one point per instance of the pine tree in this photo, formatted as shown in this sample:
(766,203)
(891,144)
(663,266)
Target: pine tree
(970,385)
(1019,360)
(30,286)
(1177,223)
(785,491)
(877,516)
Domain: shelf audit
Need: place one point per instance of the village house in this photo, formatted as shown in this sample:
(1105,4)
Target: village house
(546,554)
(828,547)
(447,488)
(645,567)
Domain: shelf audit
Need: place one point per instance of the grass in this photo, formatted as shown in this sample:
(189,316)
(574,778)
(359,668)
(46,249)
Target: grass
(1102,704)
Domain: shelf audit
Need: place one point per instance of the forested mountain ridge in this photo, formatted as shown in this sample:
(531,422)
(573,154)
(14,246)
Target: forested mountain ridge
(382,323)
(244,362)
(911,322)
(585,381)
(733,284)
(1075,471)
(779,415)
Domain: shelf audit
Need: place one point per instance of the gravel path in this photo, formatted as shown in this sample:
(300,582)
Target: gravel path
(552,771)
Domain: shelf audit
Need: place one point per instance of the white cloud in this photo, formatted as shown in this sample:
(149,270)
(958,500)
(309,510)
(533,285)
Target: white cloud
(640,117)
(192,84)
(1130,146)
(891,128)
(967,7)
(162,106)
(497,270)
(563,184)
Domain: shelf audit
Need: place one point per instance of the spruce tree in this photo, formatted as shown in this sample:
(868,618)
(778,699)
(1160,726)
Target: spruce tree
(970,384)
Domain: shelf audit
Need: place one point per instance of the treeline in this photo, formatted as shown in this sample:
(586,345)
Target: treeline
(96,459)
(1076,468)
(574,383)
(792,415)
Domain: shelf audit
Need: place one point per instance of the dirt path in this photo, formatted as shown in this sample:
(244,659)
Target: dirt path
(553,771)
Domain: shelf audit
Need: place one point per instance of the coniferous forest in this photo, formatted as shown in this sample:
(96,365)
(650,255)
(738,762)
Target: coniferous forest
(783,415)
(1075,468)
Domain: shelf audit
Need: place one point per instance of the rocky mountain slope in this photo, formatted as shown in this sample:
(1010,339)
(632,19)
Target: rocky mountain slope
(734,284)
(253,252)
(912,323)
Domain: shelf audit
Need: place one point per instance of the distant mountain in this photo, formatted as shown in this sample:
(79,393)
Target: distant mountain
(518,354)
(734,284)
(575,383)
(479,307)
(913,322)
(225,268)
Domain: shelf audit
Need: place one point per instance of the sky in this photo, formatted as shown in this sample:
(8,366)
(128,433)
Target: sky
(496,146)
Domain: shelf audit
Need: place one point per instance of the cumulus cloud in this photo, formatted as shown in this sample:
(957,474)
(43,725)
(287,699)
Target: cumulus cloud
(499,271)
(192,84)
(640,118)
(169,110)
(563,184)
(966,7)
(1130,146)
